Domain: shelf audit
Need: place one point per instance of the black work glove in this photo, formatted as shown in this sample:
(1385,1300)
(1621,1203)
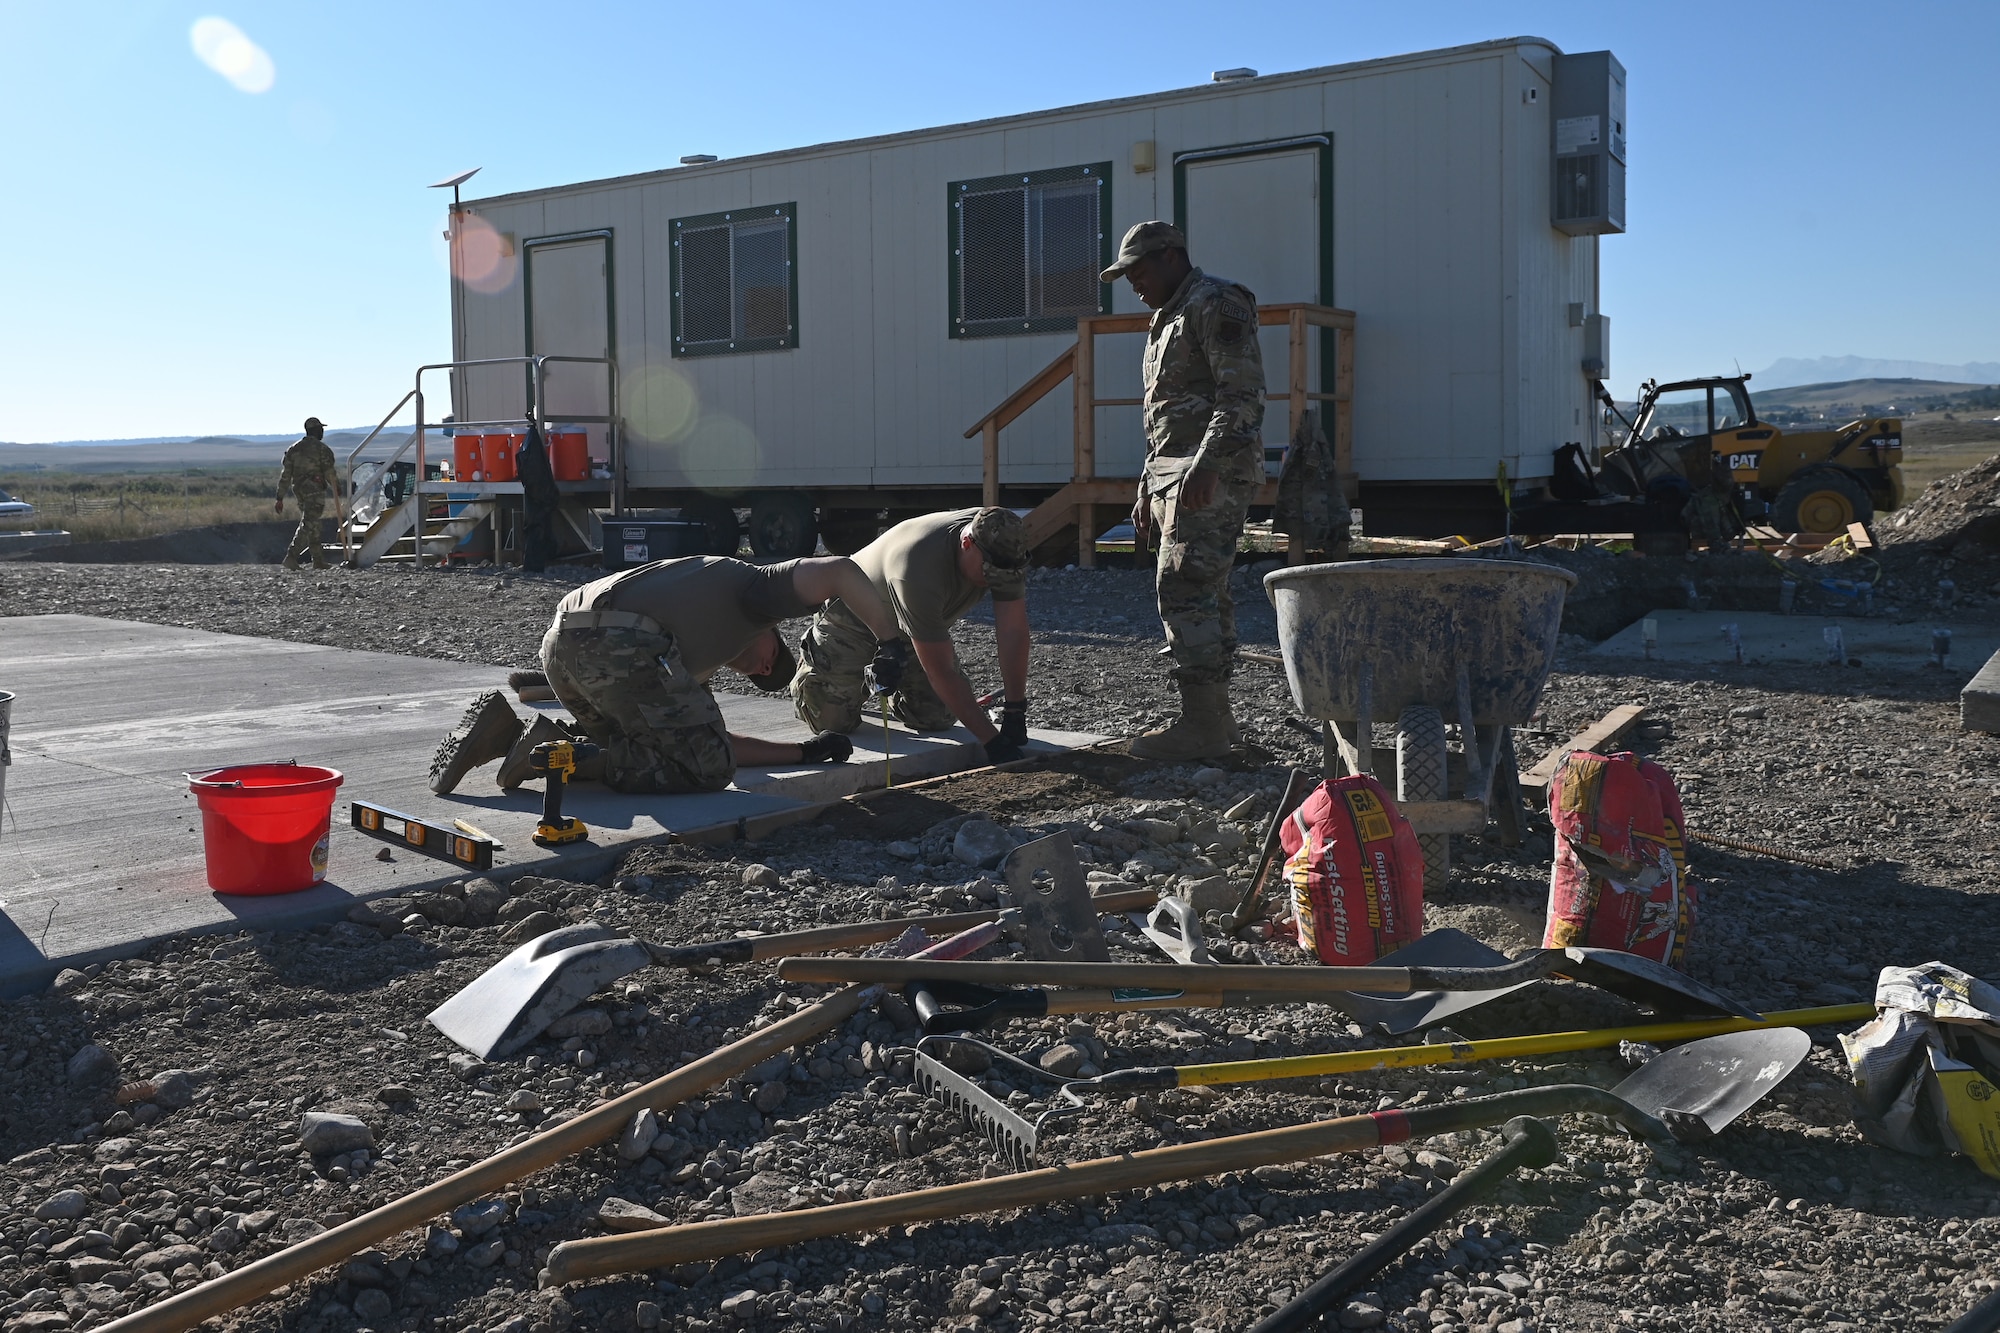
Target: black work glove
(829,747)
(885,673)
(1014,722)
(1000,750)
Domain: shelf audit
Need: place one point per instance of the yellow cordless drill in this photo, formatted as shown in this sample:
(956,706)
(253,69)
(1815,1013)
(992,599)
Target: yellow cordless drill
(557,760)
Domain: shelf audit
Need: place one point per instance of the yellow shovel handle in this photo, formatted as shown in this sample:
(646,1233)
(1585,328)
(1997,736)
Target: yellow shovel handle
(1503,1048)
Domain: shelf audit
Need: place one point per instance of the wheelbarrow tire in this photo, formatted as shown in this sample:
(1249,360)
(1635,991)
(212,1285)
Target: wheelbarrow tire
(1423,766)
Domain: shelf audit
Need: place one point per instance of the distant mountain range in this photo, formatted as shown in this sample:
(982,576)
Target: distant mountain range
(169,452)
(1789,372)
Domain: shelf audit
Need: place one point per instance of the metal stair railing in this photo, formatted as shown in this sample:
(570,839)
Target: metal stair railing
(413,504)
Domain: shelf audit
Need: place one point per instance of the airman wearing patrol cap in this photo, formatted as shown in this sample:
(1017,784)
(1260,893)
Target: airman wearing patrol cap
(1204,409)
(309,474)
(929,571)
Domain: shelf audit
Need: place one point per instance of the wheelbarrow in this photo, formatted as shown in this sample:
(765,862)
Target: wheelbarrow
(1424,641)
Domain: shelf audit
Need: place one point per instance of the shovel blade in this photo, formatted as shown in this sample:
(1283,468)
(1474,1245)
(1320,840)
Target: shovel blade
(514,1001)
(1697,1089)
(1057,915)
(1399,1014)
(1652,984)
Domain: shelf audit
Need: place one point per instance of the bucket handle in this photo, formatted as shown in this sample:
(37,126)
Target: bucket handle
(194,781)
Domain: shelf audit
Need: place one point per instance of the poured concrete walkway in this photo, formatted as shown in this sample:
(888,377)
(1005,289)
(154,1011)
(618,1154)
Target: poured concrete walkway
(101,844)
(1699,636)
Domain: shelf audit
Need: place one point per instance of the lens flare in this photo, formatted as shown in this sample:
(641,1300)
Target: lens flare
(223,47)
(484,260)
(660,404)
(720,451)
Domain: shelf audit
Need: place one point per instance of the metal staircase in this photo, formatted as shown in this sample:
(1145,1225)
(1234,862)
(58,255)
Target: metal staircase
(424,524)
(392,534)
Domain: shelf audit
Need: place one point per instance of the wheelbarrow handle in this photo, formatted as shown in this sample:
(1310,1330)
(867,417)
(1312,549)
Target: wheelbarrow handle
(1530,1143)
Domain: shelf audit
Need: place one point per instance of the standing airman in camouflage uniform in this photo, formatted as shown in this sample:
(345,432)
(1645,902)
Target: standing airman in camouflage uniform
(308,474)
(1204,408)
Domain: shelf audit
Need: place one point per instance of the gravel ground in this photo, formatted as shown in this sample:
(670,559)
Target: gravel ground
(1789,1221)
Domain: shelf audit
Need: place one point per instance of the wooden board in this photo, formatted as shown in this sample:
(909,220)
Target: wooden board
(1604,734)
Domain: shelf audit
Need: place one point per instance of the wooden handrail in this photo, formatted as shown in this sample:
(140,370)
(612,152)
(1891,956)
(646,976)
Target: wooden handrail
(1025,397)
(1079,360)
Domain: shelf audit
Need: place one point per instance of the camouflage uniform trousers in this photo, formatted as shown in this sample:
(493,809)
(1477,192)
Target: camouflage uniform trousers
(830,690)
(305,541)
(1197,552)
(661,729)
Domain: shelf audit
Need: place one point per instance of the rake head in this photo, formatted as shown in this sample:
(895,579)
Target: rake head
(1013,1135)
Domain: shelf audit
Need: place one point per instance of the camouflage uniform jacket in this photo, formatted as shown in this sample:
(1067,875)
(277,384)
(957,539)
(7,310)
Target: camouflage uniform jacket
(309,470)
(1204,381)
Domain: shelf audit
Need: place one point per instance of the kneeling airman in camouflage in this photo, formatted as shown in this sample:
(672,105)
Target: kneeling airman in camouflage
(630,656)
(929,571)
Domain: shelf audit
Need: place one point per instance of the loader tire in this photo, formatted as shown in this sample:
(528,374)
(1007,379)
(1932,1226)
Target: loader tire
(1822,499)
(1423,766)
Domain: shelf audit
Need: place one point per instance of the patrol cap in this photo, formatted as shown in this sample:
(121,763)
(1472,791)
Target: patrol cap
(1145,239)
(1002,538)
(783,667)
(314,423)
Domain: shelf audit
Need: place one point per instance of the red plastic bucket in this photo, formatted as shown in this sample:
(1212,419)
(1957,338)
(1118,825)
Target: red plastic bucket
(265,827)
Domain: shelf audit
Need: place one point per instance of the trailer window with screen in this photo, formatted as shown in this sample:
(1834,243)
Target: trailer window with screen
(735,281)
(1026,250)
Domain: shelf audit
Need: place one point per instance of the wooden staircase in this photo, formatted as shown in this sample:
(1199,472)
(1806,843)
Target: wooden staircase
(1090,503)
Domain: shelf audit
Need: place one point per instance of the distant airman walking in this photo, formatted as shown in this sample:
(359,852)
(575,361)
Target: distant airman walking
(309,474)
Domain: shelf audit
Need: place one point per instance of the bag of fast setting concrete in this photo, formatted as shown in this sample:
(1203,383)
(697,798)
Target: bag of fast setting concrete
(1620,877)
(1355,873)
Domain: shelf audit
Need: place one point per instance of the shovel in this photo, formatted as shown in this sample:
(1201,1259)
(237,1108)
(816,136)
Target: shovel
(259,1277)
(1529,1143)
(1694,1090)
(514,1001)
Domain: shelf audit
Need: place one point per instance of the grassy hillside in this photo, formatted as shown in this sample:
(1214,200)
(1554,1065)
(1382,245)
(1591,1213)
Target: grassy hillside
(112,506)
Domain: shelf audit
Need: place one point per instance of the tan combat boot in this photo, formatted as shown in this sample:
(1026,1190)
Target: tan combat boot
(1206,729)
(517,770)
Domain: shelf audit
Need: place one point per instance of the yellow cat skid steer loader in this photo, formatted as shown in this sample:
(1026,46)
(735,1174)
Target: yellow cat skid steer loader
(1695,460)
(1798,481)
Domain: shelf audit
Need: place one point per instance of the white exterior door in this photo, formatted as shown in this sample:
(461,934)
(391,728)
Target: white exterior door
(569,314)
(1255,216)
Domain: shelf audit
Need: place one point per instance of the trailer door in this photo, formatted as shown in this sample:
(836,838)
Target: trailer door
(568,291)
(1261,215)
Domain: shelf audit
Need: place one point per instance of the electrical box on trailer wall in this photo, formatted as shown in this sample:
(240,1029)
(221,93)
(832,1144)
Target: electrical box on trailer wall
(1587,117)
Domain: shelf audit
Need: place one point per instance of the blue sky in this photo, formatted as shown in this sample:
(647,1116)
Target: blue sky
(182,256)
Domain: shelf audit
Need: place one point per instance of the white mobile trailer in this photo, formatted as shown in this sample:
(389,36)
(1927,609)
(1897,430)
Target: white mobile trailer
(820,326)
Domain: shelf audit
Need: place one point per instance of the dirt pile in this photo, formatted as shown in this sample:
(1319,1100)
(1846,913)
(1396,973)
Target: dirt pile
(1960,510)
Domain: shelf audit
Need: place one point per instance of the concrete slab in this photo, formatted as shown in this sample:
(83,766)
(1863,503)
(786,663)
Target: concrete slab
(1697,636)
(100,841)
(1979,701)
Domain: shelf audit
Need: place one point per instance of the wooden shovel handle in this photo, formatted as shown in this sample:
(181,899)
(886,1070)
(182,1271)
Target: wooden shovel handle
(575,1260)
(1177,976)
(243,1285)
(856,935)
